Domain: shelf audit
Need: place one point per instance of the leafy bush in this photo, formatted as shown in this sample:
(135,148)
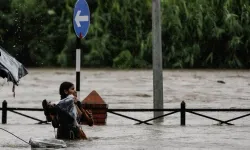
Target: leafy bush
(195,33)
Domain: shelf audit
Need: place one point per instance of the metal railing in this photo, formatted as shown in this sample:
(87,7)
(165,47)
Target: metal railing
(183,110)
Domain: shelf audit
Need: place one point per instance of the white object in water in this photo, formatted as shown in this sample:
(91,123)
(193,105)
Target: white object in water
(46,143)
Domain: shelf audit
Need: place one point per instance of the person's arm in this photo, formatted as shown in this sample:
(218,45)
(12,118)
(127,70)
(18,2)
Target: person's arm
(83,112)
(79,112)
(88,116)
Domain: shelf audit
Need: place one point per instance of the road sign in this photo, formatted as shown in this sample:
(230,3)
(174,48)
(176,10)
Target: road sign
(81,18)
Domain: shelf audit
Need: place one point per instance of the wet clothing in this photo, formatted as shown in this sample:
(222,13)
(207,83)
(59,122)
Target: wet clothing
(67,105)
(66,119)
(68,132)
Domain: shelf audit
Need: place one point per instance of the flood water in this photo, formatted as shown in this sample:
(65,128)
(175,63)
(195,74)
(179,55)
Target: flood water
(134,89)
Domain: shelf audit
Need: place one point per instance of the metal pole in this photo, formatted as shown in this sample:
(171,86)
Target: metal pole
(78,66)
(183,113)
(4,112)
(157,59)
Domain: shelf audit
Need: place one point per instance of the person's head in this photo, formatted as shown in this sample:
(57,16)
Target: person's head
(66,88)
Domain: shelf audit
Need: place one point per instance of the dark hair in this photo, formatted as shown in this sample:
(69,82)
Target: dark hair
(64,86)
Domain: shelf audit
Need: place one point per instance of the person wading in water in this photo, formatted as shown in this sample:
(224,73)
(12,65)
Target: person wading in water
(67,113)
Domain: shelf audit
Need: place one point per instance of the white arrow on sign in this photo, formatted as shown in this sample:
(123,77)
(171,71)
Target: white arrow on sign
(79,18)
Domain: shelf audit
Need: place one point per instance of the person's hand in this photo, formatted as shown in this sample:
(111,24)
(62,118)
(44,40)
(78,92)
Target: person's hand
(75,94)
(75,100)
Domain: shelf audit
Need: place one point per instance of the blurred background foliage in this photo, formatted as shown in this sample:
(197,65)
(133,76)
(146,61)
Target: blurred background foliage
(195,33)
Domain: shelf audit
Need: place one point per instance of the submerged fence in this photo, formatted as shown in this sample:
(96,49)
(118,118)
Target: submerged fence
(183,110)
(5,108)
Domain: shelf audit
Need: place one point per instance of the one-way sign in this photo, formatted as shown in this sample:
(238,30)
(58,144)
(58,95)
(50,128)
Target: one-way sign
(81,18)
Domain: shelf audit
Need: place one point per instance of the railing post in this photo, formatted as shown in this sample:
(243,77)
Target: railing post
(183,113)
(4,112)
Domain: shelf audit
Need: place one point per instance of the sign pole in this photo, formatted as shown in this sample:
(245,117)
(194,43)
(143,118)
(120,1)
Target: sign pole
(157,59)
(78,66)
(81,22)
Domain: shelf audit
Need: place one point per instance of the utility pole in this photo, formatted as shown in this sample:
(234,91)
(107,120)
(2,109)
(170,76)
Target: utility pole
(157,59)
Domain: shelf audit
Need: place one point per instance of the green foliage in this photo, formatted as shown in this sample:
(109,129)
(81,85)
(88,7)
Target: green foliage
(195,33)
(205,33)
(124,60)
(120,30)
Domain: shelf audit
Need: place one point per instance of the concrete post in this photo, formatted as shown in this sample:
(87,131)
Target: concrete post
(157,59)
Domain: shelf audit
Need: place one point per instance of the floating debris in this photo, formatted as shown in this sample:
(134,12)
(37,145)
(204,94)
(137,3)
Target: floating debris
(220,81)
(47,143)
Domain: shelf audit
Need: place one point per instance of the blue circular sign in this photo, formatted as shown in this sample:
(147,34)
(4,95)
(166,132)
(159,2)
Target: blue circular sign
(81,18)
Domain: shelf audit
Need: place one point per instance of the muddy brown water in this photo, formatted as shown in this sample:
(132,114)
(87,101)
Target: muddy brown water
(134,89)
